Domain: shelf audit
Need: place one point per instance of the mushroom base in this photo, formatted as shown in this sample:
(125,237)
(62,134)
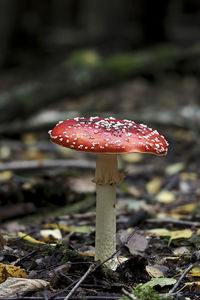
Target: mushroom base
(105,243)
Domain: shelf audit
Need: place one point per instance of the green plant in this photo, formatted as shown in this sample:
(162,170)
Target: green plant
(145,293)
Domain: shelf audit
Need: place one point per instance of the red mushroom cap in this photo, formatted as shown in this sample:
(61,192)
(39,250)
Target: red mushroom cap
(107,135)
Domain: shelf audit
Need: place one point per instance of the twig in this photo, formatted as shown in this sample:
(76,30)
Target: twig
(24,165)
(79,282)
(130,296)
(62,298)
(24,257)
(173,221)
(180,279)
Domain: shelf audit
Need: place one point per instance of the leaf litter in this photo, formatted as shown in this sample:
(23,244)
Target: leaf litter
(52,241)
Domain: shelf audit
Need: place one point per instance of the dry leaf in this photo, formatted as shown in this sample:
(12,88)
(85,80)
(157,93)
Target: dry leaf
(137,242)
(29,238)
(7,271)
(53,233)
(175,168)
(184,208)
(59,226)
(181,234)
(154,185)
(13,287)
(2,240)
(181,250)
(154,272)
(196,283)
(194,272)
(165,197)
(160,232)
(6,175)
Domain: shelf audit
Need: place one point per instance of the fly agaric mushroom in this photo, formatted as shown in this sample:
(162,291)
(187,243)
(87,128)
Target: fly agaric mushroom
(107,137)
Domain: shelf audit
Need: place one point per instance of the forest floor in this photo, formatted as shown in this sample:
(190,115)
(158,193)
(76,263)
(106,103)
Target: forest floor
(48,212)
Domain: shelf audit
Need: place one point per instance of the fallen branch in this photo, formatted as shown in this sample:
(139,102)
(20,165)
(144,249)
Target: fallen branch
(181,278)
(26,165)
(173,221)
(79,282)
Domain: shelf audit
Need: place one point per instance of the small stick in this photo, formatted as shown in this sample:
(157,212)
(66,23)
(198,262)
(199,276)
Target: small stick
(130,296)
(79,282)
(180,279)
(173,221)
(26,165)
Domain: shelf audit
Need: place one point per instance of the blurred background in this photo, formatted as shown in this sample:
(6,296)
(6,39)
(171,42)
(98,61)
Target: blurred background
(133,59)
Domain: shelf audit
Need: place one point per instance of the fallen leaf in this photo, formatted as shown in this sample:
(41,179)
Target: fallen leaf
(13,287)
(6,175)
(160,281)
(2,240)
(194,272)
(53,233)
(7,271)
(160,232)
(154,185)
(165,197)
(82,229)
(181,234)
(168,215)
(181,251)
(175,168)
(196,283)
(29,238)
(188,176)
(184,208)
(59,226)
(154,272)
(137,242)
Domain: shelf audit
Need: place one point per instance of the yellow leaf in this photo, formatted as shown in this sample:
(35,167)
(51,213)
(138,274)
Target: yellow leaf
(188,176)
(29,238)
(160,232)
(176,234)
(197,284)
(11,271)
(29,138)
(154,272)
(181,234)
(54,233)
(59,226)
(165,197)
(27,186)
(6,175)
(175,168)
(184,208)
(168,215)
(194,272)
(154,185)
(86,254)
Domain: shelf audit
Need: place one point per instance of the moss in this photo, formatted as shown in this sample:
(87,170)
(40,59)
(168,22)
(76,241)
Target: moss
(146,293)
(84,58)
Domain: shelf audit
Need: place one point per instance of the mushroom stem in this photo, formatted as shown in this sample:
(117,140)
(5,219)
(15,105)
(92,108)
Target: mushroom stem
(105,242)
(106,178)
